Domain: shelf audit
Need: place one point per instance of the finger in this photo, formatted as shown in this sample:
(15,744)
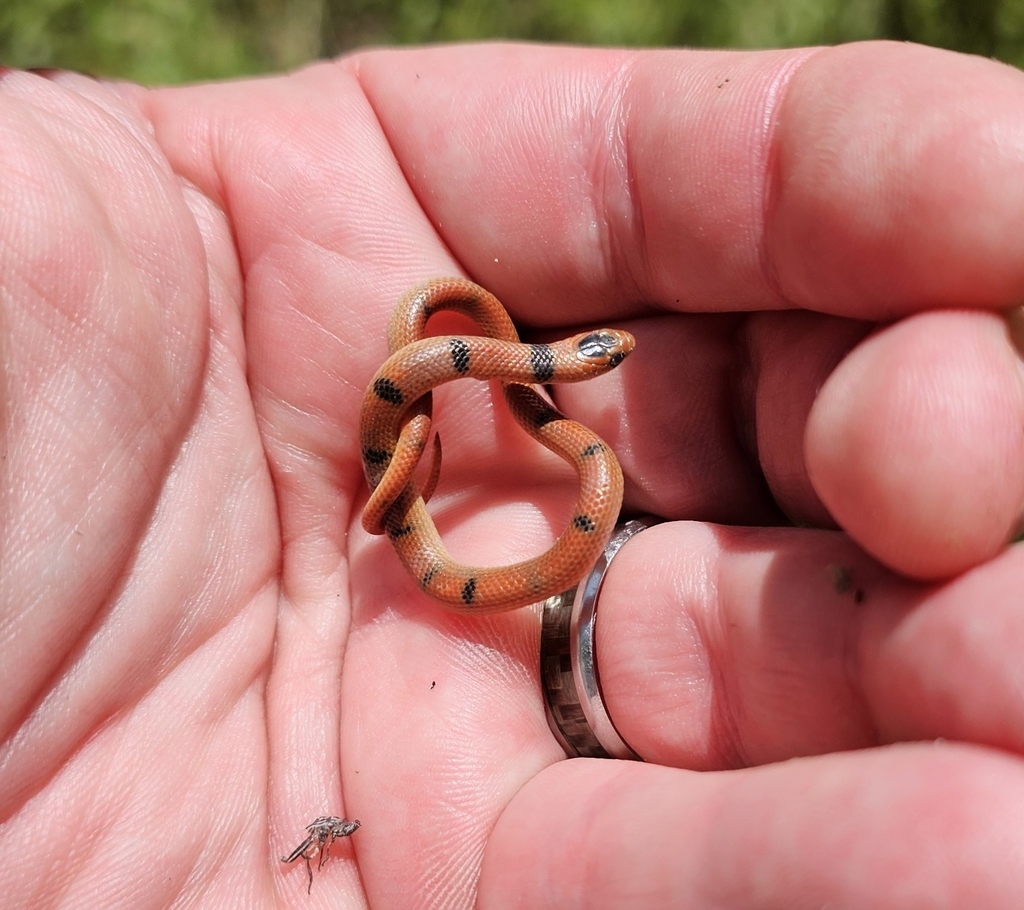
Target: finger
(915,443)
(912,444)
(921,826)
(585,181)
(724,647)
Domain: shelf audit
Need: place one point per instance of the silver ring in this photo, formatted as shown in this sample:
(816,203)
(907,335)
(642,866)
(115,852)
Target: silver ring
(572,687)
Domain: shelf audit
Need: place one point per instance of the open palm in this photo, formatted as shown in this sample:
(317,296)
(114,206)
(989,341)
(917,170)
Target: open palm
(201,650)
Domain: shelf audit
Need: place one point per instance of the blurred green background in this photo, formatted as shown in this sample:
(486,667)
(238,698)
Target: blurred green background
(162,41)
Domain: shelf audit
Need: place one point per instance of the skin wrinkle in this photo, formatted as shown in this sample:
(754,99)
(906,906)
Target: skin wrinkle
(354,66)
(774,104)
(742,399)
(705,677)
(703,590)
(622,242)
(724,732)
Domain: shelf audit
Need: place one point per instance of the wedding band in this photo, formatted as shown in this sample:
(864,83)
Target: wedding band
(575,708)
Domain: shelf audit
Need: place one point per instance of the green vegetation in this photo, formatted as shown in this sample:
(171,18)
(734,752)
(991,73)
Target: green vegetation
(161,41)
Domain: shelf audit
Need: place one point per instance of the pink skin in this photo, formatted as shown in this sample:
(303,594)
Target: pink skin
(202,651)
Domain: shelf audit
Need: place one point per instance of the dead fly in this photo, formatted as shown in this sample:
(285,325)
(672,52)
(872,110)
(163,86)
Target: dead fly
(323,832)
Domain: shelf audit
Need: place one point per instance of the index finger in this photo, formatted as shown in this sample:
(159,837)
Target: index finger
(869,180)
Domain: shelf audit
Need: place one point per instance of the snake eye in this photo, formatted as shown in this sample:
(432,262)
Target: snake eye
(604,347)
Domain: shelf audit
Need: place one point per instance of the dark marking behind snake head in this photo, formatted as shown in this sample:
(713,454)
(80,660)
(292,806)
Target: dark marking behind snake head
(542,362)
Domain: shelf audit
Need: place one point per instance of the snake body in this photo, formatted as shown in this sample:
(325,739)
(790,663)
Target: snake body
(395,427)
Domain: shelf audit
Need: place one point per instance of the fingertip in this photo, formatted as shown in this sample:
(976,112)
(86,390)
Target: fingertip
(891,199)
(916,443)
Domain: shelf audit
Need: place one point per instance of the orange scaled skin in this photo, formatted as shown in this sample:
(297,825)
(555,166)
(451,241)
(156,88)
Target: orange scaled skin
(395,425)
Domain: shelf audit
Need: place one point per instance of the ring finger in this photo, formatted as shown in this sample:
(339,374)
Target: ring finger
(723,647)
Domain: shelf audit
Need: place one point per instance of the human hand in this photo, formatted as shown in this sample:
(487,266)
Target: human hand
(203,651)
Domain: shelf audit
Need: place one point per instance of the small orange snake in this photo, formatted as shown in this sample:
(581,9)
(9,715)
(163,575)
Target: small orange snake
(395,425)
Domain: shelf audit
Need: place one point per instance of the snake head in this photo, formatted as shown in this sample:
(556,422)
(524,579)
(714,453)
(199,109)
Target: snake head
(605,347)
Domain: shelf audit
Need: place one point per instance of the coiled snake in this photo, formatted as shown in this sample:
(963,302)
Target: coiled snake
(395,427)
